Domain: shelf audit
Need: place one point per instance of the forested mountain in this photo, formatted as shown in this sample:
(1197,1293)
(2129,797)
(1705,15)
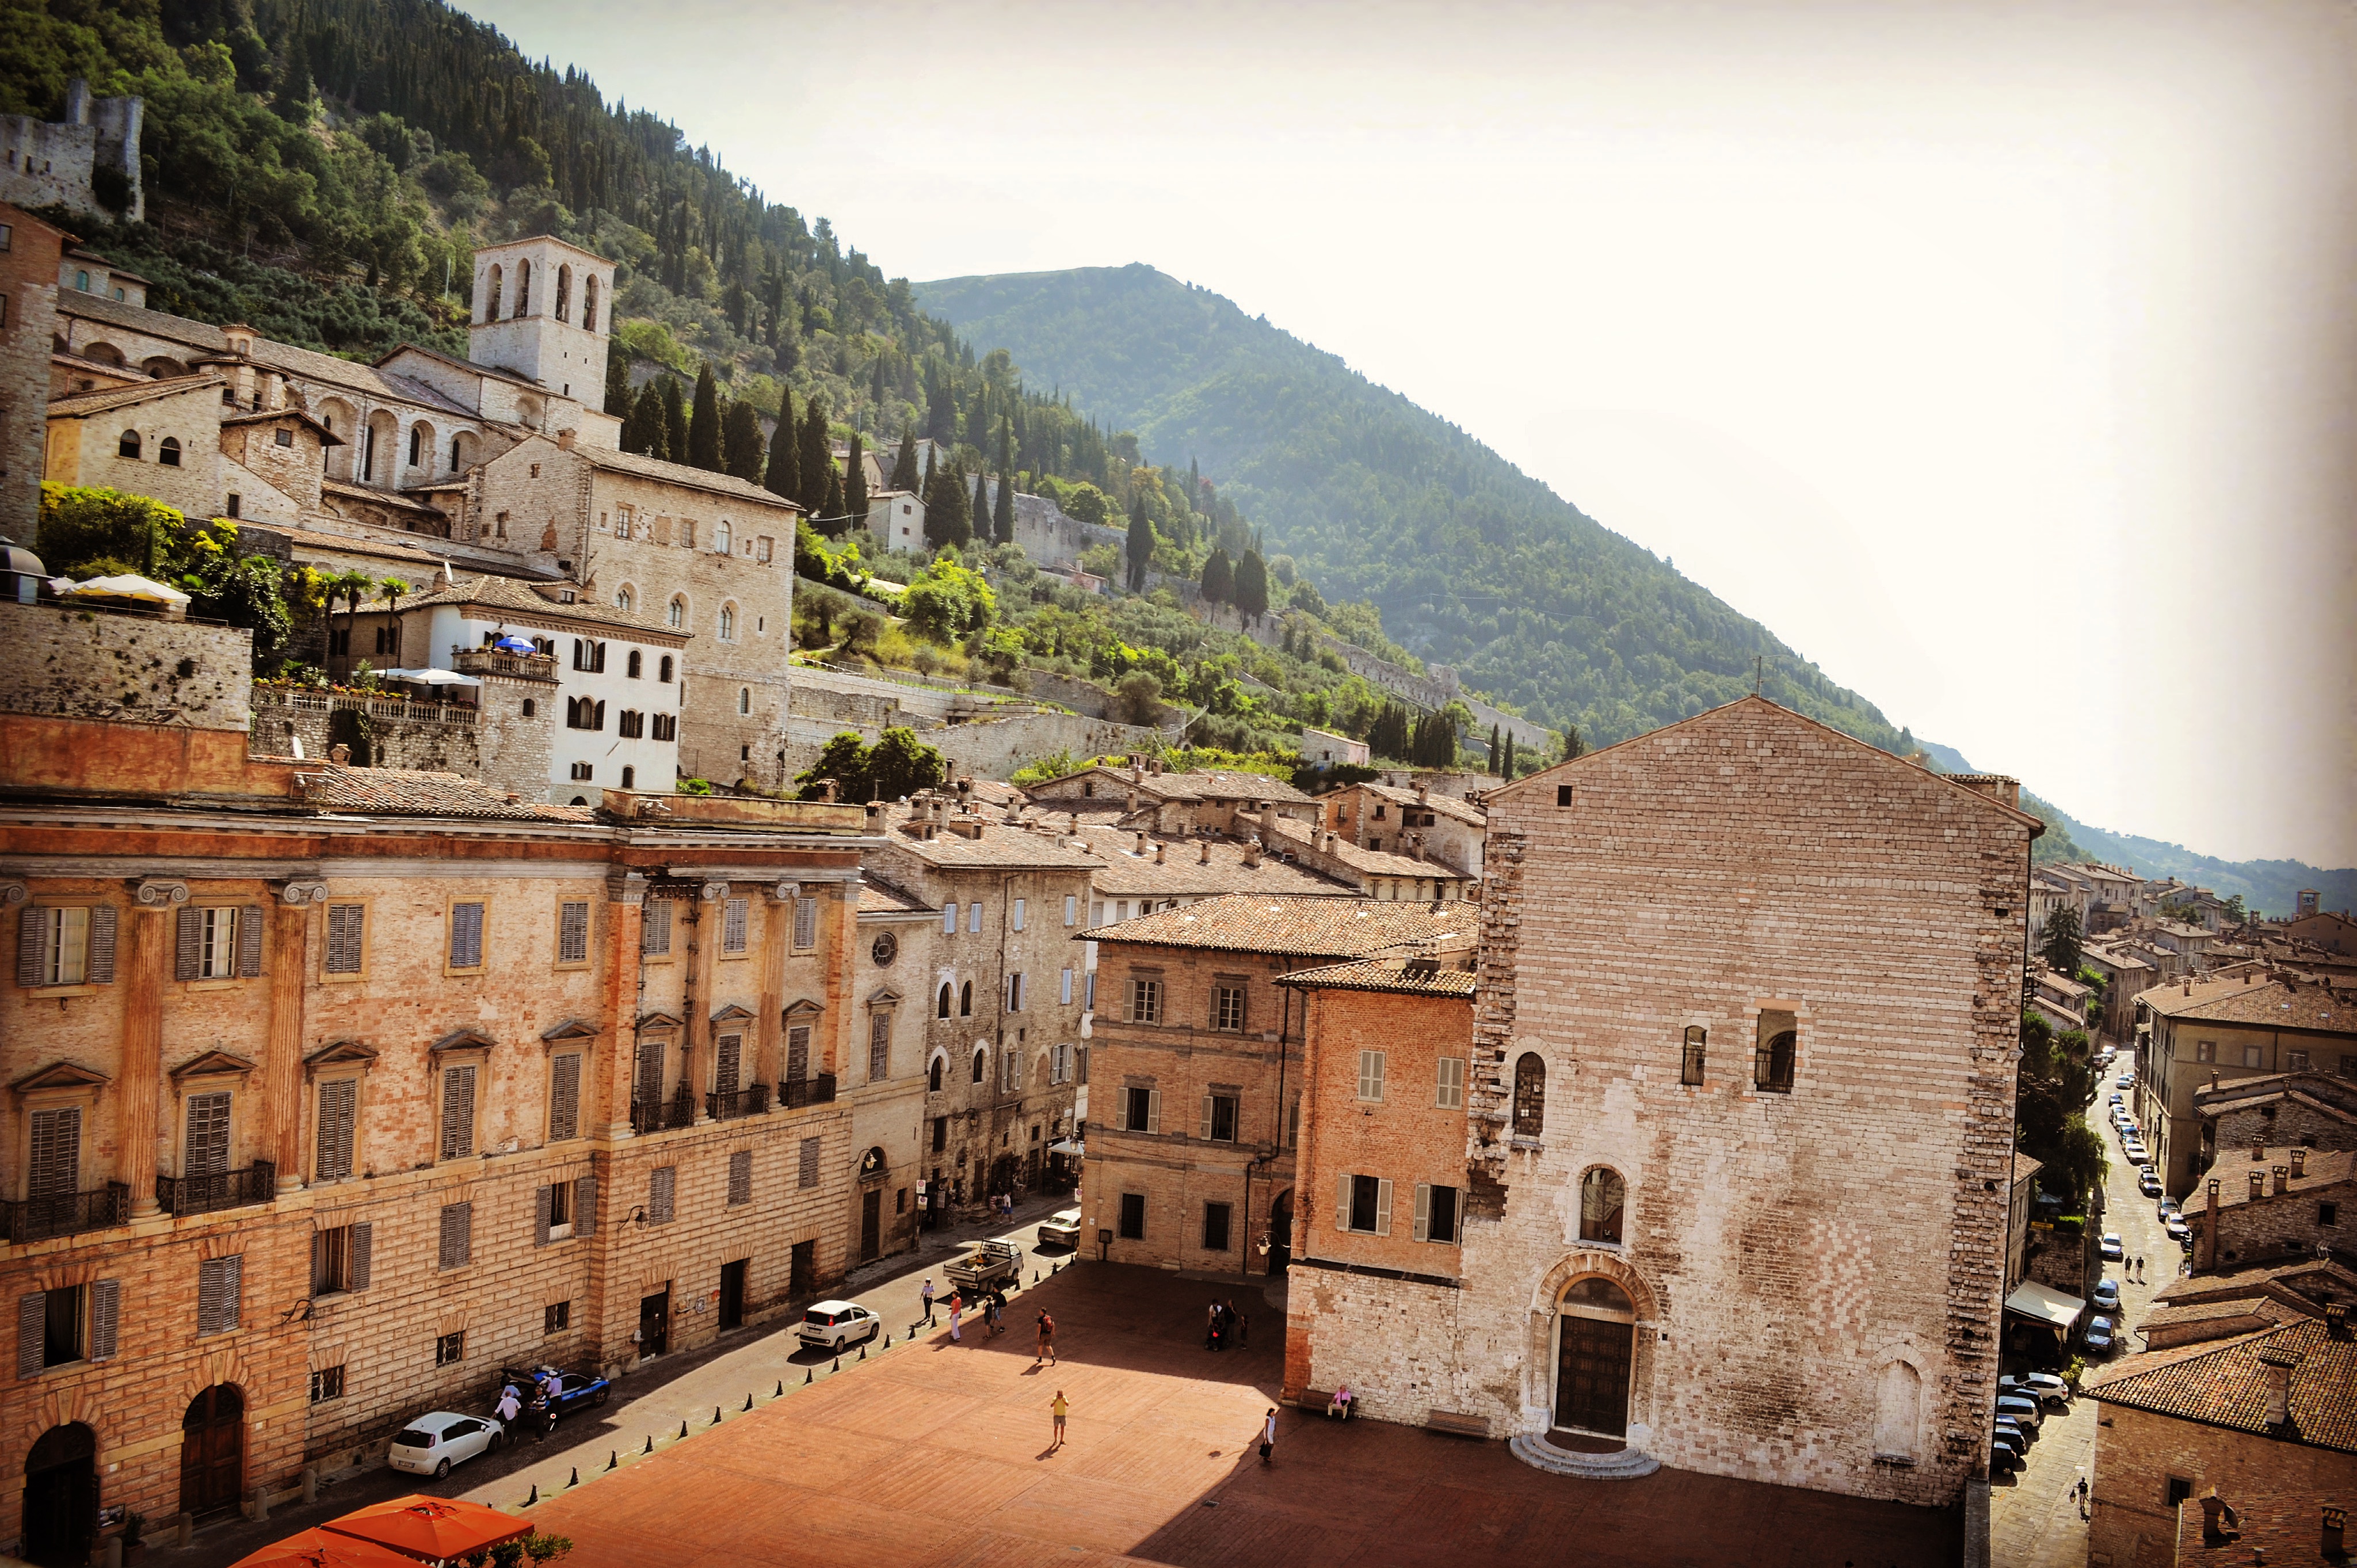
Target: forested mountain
(1472,562)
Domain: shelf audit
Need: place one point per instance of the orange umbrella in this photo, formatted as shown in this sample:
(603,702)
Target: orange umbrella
(431,1530)
(317,1549)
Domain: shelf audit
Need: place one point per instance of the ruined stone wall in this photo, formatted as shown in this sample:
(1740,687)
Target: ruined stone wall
(95,664)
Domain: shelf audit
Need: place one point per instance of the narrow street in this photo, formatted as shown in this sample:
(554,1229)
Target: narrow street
(2034,1517)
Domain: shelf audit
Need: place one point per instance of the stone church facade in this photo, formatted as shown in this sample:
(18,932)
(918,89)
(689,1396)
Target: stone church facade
(1739,1112)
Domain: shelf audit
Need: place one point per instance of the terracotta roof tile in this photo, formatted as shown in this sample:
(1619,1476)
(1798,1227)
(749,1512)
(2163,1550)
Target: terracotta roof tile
(1122,872)
(2224,1383)
(1404,976)
(878,897)
(2327,1009)
(401,792)
(1299,837)
(998,845)
(1296,926)
(2324,1168)
(726,485)
(508,594)
(105,399)
(1446,805)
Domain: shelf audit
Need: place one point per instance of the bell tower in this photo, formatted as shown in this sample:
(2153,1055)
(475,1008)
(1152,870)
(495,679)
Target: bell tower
(542,310)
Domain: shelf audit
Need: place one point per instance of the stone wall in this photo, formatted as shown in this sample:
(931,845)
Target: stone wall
(87,663)
(28,278)
(495,741)
(2138,1454)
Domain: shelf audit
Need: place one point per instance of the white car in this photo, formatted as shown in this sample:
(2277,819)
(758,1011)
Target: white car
(431,1443)
(2110,1249)
(2176,1228)
(2043,1386)
(834,1324)
(1061,1228)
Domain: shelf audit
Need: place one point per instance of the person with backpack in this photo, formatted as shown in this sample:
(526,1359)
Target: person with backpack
(1046,1351)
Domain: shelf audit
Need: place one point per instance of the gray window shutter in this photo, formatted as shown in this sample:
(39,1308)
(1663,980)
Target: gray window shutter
(808,1174)
(219,1285)
(1424,1211)
(32,936)
(650,1070)
(805,922)
(1343,1203)
(732,925)
(565,1099)
(654,930)
(1206,1132)
(729,1057)
(208,1136)
(798,1053)
(662,1186)
(585,1205)
(740,1177)
(540,1199)
(101,945)
(1383,1207)
(1154,1110)
(106,1315)
(572,933)
(465,935)
(338,1102)
(188,950)
(879,1047)
(249,941)
(346,927)
(458,1249)
(457,1112)
(57,1152)
(32,1330)
(363,1244)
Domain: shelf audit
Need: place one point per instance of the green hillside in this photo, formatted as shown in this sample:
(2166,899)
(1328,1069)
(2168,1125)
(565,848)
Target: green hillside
(1472,562)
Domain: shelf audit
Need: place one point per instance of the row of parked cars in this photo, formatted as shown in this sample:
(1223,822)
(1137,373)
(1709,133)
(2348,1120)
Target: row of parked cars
(2022,1402)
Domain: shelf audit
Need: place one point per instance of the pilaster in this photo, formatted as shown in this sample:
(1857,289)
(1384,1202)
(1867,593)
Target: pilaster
(146,972)
(702,953)
(608,1114)
(286,961)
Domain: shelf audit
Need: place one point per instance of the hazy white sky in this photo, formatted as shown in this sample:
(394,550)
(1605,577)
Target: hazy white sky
(1997,357)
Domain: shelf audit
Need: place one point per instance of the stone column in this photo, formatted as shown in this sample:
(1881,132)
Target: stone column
(613,1074)
(288,961)
(146,971)
(776,941)
(703,952)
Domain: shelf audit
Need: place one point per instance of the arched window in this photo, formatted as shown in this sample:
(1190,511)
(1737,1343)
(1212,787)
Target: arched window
(523,290)
(1602,1196)
(167,452)
(1530,1095)
(965,1003)
(981,1060)
(728,623)
(637,667)
(663,670)
(941,1006)
(589,303)
(1771,1055)
(417,444)
(128,446)
(720,538)
(744,699)
(676,615)
(454,453)
(530,708)
(934,1078)
(491,300)
(629,777)
(624,599)
(564,291)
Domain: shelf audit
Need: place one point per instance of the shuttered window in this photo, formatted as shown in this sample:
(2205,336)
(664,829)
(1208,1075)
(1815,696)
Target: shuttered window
(57,1152)
(65,945)
(732,925)
(728,1058)
(798,1053)
(219,942)
(457,1112)
(662,1186)
(105,1318)
(807,1173)
(572,933)
(219,1292)
(338,1112)
(1448,1084)
(805,923)
(654,929)
(949,920)
(101,971)
(465,935)
(1371,1075)
(342,1258)
(740,1177)
(1019,905)
(208,1135)
(1364,1205)
(458,1247)
(249,941)
(584,1206)
(651,1071)
(565,1099)
(346,929)
(879,1047)
(363,1255)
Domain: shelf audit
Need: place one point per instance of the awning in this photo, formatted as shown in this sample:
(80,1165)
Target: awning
(430,677)
(1068,1146)
(2050,1308)
(430,1529)
(130,588)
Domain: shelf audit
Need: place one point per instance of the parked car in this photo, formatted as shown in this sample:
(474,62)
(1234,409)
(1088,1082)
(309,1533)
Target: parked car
(1062,1229)
(2022,1410)
(2113,1250)
(574,1390)
(2003,1460)
(431,1443)
(2176,1228)
(2107,1294)
(991,1263)
(2149,1183)
(834,1324)
(2168,1206)
(2124,1081)
(2009,1439)
(2137,1152)
(2043,1386)
(2099,1336)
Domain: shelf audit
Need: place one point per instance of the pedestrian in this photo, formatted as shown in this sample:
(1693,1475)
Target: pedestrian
(510,1406)
(1268,1435)
(957,1307)
(1046,1351)
(1244,1330)
(990,1314)
(1060,1407)
(1211,1327)
(927,1297)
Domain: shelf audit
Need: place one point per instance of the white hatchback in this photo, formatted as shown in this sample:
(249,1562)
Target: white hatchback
(834,1324)
(431,1443)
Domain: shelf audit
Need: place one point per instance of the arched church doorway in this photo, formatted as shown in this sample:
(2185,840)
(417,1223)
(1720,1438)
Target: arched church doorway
(61,1496)
(1280,1232)
(212,1450)
(1596,1341)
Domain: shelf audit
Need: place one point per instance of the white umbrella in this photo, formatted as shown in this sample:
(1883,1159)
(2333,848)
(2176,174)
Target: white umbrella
(430,677)
(131,587)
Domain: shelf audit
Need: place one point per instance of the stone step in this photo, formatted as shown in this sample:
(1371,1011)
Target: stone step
(1625,1466)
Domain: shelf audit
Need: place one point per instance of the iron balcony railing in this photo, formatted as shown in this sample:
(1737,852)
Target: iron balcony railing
(257,1183)
(744,1103)
(662,1115)
(66,1213)
(817,1089)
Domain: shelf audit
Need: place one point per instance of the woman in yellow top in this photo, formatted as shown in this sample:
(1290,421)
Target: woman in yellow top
(1059,1406)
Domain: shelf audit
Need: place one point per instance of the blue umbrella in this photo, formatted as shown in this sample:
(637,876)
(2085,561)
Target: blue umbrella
(514,644)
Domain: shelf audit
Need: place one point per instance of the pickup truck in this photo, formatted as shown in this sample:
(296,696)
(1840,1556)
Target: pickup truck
(993,1264)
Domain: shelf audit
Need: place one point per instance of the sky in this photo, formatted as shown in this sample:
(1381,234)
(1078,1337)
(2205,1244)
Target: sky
(1999,357)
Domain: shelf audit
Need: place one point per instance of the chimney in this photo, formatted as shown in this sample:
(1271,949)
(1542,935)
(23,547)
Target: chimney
(2258,1184)
(1207,851)
(2188,985)
(1160,851)
(2213,1077)
(2299,1162)
(564,439)
(1137,769)
(342,755)
(1141,842)
(2276,1367)
(1251,852)
(875,816)
(2283,1180)
(2336,1530)
(1133,801)
(1423,794)
(1416,846)
(2258,1152)
(2209,1229)
(827,787)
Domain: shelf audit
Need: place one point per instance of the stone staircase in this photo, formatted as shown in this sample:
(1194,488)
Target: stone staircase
(1623,1464)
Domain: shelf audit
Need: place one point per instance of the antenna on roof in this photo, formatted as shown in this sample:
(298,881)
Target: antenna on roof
(1759,667)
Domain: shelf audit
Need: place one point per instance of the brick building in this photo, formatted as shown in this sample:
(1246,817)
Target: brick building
(2262,1205)
(1441,827)
(1176,802)
(1740,1081)
(2202,1034)
(332,1090)
(1196,1068)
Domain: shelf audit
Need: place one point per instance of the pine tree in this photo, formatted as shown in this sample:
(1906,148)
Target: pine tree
(1219,584)
(1141,546)
(816,460)
(1002,515)
(1252,585)
(782,478)
(904,466)
(675,407)
(704,424)
(981,514)
(855,484)
(617,385)
(740,433)
(1573,748)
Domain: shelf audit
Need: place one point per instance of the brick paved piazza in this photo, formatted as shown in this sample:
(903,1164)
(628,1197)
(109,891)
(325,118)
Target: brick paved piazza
(936,1452)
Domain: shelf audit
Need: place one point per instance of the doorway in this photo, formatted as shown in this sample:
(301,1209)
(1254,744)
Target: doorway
(732,1296)
(1280,1232)
(1596,1343)
(61,1496)
(871,1225)
(212,1450)
(802,1273)
(654,1323)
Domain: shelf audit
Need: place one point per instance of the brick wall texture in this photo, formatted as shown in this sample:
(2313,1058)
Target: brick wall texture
(2138,1453)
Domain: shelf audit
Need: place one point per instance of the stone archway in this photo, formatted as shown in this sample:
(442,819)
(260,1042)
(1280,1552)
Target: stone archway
(61,1495)
(1596,1313)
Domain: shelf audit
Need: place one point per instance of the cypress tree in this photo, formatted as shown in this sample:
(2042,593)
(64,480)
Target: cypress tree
(1002,516)
(675,407)
(1141,546)
(955,527)
(1573,748)
(643,431)
(617,385)
(1507,773)
(1493,749)
(904,466)
(1219,583)
(1252,584)
(854,484)
(981,514)
(937,516)
(835,503)
(704,424)
(740,434)
(782,478)
(817,459)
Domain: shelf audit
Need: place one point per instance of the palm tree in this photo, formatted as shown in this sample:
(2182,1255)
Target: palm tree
(351,587)
(390,590)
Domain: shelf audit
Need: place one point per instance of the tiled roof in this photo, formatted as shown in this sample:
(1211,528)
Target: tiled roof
(1122,872)
(505,596)
(680,474)
(878,897)
(1209,785)
(2224,1383)
(273,415)
(2276,1004)
(2317,1280)
(1446,805)
(82,404)
(493,371)
(375,496)
(401,792)
(1299,837)
(2330,1093)
(1296,926)
(310,539)
(2253,1307)
(2325,1167)
(1404,976)
(1000,846)
(2173,999)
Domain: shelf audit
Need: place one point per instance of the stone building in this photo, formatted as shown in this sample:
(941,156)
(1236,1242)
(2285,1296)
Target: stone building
(1740,1080)
(1435,826)
(1177,802)
(2198,1034)
(30,250)
(1196,1068)
(2263,1205)
(2307,1109)
(333,1090)
(86,162)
